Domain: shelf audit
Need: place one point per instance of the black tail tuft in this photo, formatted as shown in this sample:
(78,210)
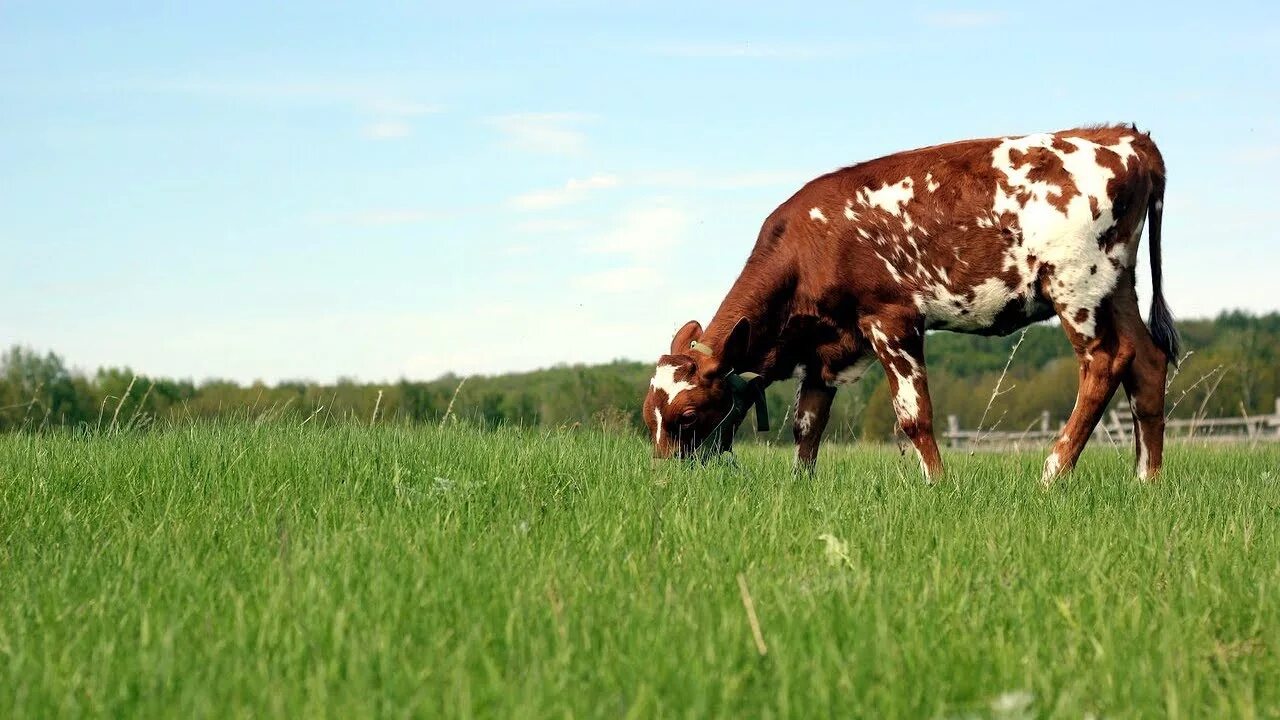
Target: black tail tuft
(1163,331)
(1160,320)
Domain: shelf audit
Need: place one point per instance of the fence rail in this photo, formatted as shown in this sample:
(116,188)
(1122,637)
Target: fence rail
(1117,426)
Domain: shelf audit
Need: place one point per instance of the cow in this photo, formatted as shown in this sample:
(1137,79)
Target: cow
(978,236)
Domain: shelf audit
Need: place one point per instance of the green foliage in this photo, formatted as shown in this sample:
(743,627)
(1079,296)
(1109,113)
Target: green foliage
(1234,368)
(237,569)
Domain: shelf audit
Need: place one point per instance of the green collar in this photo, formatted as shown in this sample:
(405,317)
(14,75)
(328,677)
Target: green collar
(747,389)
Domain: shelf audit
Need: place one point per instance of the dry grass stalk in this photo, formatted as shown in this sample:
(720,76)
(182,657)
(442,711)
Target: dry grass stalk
(750,606)
(1178,368)
(997,392)
(1191,387)
(1106,431)
(448,412)
(313,415)
(35,400)
(1200,412)
(332,399)
(115,417)
(272,413)
(102,409)
(1025,431)
(377,404)
(133,420)
(1250,431)
(782,425)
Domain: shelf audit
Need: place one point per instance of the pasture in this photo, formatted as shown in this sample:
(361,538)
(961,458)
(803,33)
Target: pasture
(233,570)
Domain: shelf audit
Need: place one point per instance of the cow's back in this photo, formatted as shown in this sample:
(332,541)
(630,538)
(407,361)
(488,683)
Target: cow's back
(980,235)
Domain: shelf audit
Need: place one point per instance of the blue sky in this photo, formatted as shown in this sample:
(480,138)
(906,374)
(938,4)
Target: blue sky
(251,191)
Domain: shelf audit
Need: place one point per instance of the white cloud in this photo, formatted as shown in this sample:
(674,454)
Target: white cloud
(1257,155)
(518,250)
(571,192)
(747,50)
(640,238)
(619,280)
(402,108)
(549,225)
(962,19)
(376,218)
(388,130)
(642,233)
(389,108)
(550,133)
(366,96)
(695,180)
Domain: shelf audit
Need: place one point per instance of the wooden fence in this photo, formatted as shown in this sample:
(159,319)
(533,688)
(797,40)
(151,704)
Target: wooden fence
(1117,427)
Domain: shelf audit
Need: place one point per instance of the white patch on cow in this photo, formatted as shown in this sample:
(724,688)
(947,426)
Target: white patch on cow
(854,372)
(924,468)
(664,379)
(804,421)
(897,276)
(1067,240)
(930,183)
(890,198)
(816,214)
(657,433)
(906,400)
(849,214)
(878,338)
(1051,465)
(1144,457)
(1159,205)
(973,310)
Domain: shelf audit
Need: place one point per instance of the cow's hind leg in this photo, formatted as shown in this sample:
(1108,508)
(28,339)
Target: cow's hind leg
(813,409)
(898,342)
(1144,382)
(1103,361)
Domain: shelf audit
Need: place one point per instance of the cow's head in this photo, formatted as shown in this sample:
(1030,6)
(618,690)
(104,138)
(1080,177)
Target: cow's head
(696,399)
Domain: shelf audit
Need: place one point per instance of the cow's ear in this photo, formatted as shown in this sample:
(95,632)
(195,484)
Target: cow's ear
(685,337)
(735,348)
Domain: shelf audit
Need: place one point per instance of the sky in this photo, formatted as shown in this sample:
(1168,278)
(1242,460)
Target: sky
(269,191)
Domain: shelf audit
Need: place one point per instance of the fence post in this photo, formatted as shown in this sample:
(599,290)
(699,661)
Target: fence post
(1117,427)
(1044,421)
(1276,418)
(953,430)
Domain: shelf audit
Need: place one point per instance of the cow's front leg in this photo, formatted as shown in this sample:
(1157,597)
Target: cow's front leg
(898,342)
(813,409)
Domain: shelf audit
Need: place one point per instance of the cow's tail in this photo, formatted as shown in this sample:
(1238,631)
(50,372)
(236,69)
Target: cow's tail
(1160,320)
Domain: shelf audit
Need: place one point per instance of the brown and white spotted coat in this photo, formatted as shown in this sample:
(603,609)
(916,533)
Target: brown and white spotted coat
(979,236)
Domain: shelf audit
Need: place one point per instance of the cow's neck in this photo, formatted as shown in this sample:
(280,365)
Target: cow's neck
(763,296)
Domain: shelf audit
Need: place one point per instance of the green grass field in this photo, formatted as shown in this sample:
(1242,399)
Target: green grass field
(344,571)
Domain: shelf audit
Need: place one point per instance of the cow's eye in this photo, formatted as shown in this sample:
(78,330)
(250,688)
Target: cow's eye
(688,416)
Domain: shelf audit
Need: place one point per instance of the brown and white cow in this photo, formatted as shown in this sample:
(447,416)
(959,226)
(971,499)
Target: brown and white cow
(979,236)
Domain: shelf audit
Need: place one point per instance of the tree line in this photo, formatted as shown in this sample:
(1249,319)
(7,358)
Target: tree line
(1233,368)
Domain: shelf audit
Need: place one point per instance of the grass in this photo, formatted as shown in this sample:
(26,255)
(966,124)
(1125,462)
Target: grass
(233,570)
